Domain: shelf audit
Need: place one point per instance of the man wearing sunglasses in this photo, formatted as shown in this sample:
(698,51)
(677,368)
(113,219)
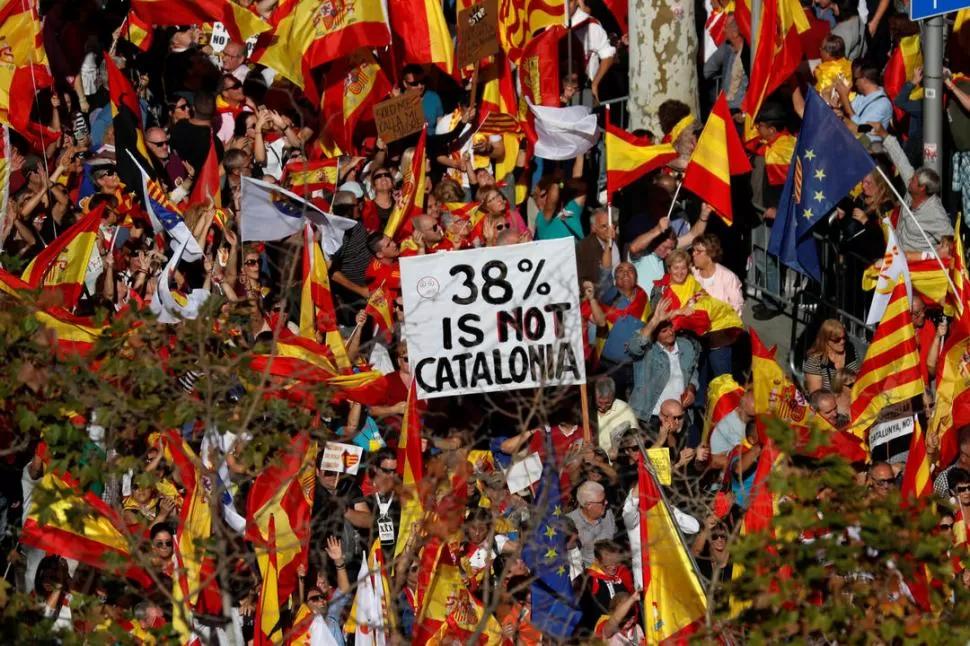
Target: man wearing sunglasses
(425,239)
(413,79)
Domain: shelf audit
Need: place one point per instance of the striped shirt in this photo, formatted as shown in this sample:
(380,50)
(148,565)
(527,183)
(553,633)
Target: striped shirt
(353,257)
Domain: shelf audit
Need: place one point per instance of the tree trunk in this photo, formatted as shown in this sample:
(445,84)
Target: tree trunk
(663,58)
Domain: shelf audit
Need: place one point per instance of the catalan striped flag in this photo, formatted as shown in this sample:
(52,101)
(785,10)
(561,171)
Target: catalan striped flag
(917,480)
(411,202)
(62,520)
(952,388)
(499,112)
(410,467)
(674,603)
(178,12)
(628,158)
(316,303)
(777,57)
(719,154)
(351,87)
(138,32)
(278,513)
(893,268)
(269,628)
(305,177)
(420,34)
(305,35)
(242,23)
(61,267)
(890,373)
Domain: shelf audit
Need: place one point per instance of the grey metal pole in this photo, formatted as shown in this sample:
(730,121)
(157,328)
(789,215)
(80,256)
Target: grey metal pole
(933,30)
(755,26)
(569,54)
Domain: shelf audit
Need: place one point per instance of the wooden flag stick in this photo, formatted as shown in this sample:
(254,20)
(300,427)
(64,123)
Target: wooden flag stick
(587,432)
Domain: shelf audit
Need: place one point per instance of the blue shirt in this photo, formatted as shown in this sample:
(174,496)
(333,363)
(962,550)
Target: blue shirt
(559,227)
(872,108)
(433,110)
(825,14)
(623,330)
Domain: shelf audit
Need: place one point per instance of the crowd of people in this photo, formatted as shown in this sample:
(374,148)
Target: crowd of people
(665,285)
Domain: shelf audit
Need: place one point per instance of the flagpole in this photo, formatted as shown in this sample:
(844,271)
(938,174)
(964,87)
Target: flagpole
(663,498)
(673,200)
(902,203)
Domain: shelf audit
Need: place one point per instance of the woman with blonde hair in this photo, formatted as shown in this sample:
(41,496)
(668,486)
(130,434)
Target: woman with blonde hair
(493,217)
(830,353)
(842,384)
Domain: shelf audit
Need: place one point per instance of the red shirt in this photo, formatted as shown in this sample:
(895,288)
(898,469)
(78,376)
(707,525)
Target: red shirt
(379,273)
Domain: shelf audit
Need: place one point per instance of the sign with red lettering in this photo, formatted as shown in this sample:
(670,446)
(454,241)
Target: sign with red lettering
(496,318)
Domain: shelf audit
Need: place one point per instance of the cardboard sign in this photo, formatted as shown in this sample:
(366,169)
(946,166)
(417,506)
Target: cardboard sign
(341,458)
(477,32)
(495,318)
(660,459)
(399,116)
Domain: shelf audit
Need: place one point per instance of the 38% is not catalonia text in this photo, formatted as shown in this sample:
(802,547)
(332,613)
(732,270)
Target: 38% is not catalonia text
(496,289)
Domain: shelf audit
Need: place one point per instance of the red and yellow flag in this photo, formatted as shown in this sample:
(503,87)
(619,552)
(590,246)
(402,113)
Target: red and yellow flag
(69,334)
(269,629)
(905,58)
(12,285)
(917,478)
(316,303)
(242,23)
(138,32)
(723,397)
(411,202)
(719,154)
(380,310)
(628,158)
(352,86)
(60,268)
(305,177)
(778,55)
(62,520)
(284,491)
(929,281)
(778,155)
(710,314)
(499,110)
(539,75)
(890,373)
(178,12)
(23,70)
(410,467)
(958,269)
(420,34)
(952,388)
(195,519)
(309,34)
(674,603)
(208,182)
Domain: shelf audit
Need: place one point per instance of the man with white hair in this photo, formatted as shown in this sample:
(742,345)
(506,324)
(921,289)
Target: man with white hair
(594,521)
(613,416)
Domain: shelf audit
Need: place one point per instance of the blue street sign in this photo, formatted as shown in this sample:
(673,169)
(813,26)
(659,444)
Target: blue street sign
(922,9)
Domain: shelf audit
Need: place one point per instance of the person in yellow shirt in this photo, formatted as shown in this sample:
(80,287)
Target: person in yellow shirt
(834,67)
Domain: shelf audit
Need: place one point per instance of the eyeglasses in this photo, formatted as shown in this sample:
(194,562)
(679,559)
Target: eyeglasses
(501,227)
(235,86)
(962,489)
(837,339)
(719,537)
(946,526)
(676,417)
(414,83)
(388,471)
(109,172)
(314,599)
(251,263)
(381,176)
(399,306)
(885,482)
(162,543)
(161,144)
(596,502)
(180,106)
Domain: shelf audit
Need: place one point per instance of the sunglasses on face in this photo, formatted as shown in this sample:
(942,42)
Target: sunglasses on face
(837,339)
(719,537)
(234,86)
(107,173)
(161,144)
(675,417)
(414,83)
(963,489)
(885,482)
(501,227)
(162,543)
(314,599)
(180,106)
(251,263)
(387,470)
(946,526)
(382,176)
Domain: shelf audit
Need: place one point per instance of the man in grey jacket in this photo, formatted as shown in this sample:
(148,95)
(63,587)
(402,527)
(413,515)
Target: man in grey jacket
(923,197)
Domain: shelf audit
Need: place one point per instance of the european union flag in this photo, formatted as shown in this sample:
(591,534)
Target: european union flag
(554,609)
(828,162)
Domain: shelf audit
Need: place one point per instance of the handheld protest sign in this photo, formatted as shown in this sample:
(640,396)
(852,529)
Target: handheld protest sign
(491,319)
(341,458)
(399,116)
(477,32)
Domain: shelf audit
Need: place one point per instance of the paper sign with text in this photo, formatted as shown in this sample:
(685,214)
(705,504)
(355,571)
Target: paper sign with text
(341,458)
(399,116)
(660,460)
(477,32)
(524,474)
(496,318)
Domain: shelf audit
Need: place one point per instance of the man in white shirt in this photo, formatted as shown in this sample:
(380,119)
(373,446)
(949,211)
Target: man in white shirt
(597,50)
(613,416)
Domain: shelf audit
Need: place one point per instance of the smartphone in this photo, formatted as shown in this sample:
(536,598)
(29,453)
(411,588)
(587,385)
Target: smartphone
(864,128)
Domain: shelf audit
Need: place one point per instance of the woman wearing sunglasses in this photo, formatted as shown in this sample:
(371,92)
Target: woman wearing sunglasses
(494,217)
(319,617)
(830,353)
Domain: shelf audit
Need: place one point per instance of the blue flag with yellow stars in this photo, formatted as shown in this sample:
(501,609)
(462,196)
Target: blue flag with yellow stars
(827,164)
(554,609)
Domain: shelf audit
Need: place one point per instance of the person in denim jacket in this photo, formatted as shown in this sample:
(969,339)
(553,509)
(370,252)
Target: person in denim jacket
(665,365)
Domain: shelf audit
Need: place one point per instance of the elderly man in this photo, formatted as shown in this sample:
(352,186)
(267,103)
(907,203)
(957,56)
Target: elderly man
(597,249)
(826,405)
(665,365)
(613,416)
(942,484)
(625,305)
(594,522)
(234,61)
(882,479)
(923,197)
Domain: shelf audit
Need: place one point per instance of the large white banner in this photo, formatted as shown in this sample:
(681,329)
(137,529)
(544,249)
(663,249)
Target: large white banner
(497,318)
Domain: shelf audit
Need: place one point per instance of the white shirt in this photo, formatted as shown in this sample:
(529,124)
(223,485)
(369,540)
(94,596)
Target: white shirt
(596,44)
(675,385)
(617,416)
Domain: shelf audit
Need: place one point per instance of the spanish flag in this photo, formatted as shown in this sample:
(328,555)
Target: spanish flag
(208,182)
(305,177)
(316,303)
(952,388)
(195,518)
(917,480)
(905,58)
(420,34)
(60,268)
(62,520)
(710,314)
(12,285)
(778,55)
(539,75)
(68,334)
(18,90)
(958,271)
(499,112)
(890,373)
(410,468)
(674,603)
(21,33)
(138,32)
(411,202)
(269,629)
(723,397)
(278,511)
(351,87)
(178,12)
(719,154)
(380,310)
(628,158)
(778,154)
(127,120)
(309,34)
(242,23)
